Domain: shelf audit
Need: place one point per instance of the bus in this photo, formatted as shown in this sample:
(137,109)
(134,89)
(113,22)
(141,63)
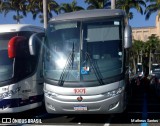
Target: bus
(139,69)
(21,80)
(85,62)
(155,68)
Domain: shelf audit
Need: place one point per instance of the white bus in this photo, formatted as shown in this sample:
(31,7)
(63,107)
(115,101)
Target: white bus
(86,62)
(21,80)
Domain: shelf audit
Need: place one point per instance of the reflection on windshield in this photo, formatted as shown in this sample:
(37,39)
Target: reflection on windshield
(6,68)
(6,64)
(104,51)
(60,47)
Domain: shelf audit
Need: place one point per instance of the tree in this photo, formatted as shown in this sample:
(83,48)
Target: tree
(19,6)
(0,6)
(151,46)
(95,4)
(66,7)
(136,53)
(153,7)
(36,8)
(127,5)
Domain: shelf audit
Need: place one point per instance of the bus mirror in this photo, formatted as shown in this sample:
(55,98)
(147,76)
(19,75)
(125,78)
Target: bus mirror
(128,37)
(14,44)
(34,40)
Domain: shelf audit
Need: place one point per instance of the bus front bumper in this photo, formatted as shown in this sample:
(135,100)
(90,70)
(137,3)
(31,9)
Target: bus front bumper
(115,104)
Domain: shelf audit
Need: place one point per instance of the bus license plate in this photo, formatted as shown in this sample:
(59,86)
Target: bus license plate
(80,108)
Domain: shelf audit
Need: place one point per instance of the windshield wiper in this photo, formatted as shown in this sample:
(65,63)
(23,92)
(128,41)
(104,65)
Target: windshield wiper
(69,63)
(95,69)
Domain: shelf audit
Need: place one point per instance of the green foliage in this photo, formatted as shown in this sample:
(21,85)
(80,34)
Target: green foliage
(18,6)
(153,7)
(136,53)
(36,8)
(152,43)
(22,7)
(127,5)
(95,4)
(144,50)
(137,45)
(66,7)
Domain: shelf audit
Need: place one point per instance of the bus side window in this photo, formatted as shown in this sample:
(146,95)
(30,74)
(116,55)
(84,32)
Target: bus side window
(26,63)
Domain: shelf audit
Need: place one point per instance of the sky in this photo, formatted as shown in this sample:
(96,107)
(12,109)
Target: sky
(137,21)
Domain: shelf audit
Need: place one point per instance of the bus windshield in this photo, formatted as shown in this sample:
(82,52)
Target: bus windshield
(6,64)
(83,51)
(10,68)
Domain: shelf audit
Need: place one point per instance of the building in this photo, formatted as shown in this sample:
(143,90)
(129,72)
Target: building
(142,33)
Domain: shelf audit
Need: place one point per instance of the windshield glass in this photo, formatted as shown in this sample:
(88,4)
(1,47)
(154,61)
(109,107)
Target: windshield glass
(103,43)
(83,51)
(6,64)
(63,40)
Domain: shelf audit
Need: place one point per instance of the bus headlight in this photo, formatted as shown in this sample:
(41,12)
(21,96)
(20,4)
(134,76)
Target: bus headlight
(115,92)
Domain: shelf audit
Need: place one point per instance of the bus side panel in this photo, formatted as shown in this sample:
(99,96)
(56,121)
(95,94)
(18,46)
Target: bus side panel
(22,96)
(31,93)
(9,98)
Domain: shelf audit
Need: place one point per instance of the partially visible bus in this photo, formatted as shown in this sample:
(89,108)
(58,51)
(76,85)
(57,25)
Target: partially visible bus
(139,70)
(155,69)
(21,80)
(86,62)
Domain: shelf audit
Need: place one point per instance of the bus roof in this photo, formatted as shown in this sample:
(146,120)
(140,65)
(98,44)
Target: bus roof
(83,14)
(19,27)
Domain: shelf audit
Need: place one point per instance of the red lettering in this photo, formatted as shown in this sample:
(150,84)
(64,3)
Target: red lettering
(79,90)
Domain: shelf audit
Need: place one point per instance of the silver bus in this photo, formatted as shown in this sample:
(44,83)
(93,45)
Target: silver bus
(21,81)
(85,62)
